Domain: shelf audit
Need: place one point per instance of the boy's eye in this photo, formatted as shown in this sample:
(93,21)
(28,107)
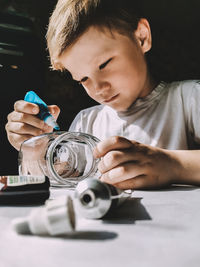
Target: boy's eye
(104,64)
(82,80)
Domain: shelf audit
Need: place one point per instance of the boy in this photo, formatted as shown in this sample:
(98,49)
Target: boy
(150,131)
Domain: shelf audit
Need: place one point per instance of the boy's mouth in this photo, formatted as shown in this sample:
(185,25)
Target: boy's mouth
(111,99)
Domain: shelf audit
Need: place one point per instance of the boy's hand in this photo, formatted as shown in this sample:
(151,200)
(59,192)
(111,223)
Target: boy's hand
(23,124)
(131,165)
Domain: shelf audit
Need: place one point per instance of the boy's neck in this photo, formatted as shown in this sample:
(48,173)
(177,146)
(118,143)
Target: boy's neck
(153,84)
(150,85)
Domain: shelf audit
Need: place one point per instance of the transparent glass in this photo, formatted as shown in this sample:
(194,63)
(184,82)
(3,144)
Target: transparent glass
(64,157)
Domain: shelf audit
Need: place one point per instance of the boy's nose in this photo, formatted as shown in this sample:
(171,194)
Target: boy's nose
(101,86)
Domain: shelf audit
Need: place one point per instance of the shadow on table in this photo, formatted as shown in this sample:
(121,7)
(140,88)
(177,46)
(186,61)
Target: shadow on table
(83,235)
(92,235)
(175,187)
(130,211)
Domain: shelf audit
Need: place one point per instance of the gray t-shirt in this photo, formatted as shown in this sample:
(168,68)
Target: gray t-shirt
(169,117)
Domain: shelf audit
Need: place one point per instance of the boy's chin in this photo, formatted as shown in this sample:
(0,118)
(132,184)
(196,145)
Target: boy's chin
(120,109)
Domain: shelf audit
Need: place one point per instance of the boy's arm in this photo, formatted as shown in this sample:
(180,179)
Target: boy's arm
(128,164)
(188,168)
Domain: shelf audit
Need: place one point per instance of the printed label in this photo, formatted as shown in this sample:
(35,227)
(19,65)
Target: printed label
(18,180)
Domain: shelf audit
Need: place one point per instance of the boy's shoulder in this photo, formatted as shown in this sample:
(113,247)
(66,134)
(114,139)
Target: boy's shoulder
(185,89)
(186,93)
(184,85)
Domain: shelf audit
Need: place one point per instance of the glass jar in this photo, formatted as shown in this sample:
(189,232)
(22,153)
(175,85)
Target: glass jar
(64,157)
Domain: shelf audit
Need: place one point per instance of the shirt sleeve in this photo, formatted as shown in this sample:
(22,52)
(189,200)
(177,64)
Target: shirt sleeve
(192,110)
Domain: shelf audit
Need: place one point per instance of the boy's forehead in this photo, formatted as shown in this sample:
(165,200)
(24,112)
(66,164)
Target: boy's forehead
(91,48)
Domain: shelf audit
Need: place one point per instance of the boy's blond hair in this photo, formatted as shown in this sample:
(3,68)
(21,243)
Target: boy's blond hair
(71,18)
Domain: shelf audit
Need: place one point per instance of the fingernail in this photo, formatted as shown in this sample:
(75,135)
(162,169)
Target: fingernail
(34,110)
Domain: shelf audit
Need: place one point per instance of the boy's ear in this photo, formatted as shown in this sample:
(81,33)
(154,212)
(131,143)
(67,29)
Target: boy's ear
(143,35)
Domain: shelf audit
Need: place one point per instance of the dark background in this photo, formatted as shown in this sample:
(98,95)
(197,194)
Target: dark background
(24,61)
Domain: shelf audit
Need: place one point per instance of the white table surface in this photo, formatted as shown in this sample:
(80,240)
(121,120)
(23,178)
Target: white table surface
(154,228)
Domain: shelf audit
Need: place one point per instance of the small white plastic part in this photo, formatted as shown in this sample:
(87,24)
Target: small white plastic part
(56,217)
(51,122)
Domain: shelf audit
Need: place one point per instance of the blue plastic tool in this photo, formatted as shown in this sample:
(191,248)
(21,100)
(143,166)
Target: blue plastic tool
(44,113)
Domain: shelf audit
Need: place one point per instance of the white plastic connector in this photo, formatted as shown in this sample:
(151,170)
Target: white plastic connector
(56,217)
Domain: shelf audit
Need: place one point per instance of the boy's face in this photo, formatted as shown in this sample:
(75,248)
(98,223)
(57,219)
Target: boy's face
(111,67)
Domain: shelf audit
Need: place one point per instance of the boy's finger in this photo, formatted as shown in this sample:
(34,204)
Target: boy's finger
(24,118)
(54,110)
(114,158)
(31,108)
(17,139)
(122,173)
(111,143)
(143,181)
(26,107)
(139,182)
(23,129)
(134,183)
